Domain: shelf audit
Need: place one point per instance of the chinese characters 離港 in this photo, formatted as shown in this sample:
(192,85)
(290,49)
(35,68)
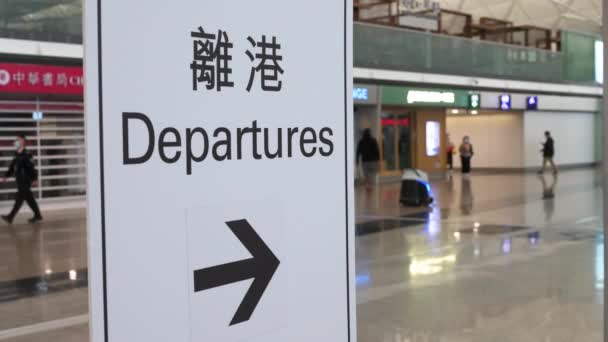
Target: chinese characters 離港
(212,60)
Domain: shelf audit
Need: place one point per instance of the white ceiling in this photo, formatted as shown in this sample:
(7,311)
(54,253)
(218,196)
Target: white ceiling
(577,15)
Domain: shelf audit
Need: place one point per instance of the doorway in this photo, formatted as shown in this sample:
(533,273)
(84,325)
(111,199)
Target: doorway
(396,140)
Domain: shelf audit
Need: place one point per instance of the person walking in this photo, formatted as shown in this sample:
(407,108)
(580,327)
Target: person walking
(548,153)
(466,154)
(23,169)
(369,154)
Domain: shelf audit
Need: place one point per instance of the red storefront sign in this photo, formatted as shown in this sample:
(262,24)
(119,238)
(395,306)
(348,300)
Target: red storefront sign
(391,122)
(40,79)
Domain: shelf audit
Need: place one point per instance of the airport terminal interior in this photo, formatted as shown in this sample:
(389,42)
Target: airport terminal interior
(478,142)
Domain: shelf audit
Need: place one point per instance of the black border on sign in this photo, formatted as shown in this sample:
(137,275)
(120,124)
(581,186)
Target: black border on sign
(102,178)
(346,173)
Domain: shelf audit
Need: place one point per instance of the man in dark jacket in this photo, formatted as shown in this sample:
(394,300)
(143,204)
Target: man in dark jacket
(548,153)
(23,169)
(369,153)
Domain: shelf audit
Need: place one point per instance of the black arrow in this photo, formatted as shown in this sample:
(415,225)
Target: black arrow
(260,268)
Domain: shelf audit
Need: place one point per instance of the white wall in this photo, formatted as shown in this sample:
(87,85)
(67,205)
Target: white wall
(497,138)
(37,48)
(574,135)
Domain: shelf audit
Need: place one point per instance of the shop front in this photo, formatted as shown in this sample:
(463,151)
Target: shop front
(44,102)
(413,127)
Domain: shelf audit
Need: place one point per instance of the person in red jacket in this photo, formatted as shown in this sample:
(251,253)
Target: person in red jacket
(450,151)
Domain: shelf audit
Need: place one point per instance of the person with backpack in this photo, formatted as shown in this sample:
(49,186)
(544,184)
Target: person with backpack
(368,152)
(25,173)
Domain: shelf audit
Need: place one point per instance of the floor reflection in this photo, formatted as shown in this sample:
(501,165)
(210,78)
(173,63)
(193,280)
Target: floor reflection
(549,195)
(28,243)
(466,196)
(492,261)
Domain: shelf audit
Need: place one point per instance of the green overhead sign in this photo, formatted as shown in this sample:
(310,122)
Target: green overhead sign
(425,97)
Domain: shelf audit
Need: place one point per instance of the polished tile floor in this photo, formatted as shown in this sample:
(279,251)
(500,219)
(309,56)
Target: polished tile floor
(498,258)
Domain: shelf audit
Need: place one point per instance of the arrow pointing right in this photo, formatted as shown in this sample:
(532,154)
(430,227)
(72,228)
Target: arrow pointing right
(260,268)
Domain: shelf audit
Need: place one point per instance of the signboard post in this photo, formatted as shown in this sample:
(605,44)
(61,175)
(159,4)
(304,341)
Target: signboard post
(605,160)
(220,194)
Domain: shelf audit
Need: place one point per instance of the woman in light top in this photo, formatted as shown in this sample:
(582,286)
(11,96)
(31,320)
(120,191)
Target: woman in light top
(466,153)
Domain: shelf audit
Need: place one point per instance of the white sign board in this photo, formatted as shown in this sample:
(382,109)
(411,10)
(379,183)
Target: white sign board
(220,189)
(599,61)
(433,138)
(423,96)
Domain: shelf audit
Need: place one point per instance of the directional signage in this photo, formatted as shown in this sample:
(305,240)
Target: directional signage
(361,94)
(532,102)
(260,268)
(474,101)
(240,268)
(220,196)
(505,102)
